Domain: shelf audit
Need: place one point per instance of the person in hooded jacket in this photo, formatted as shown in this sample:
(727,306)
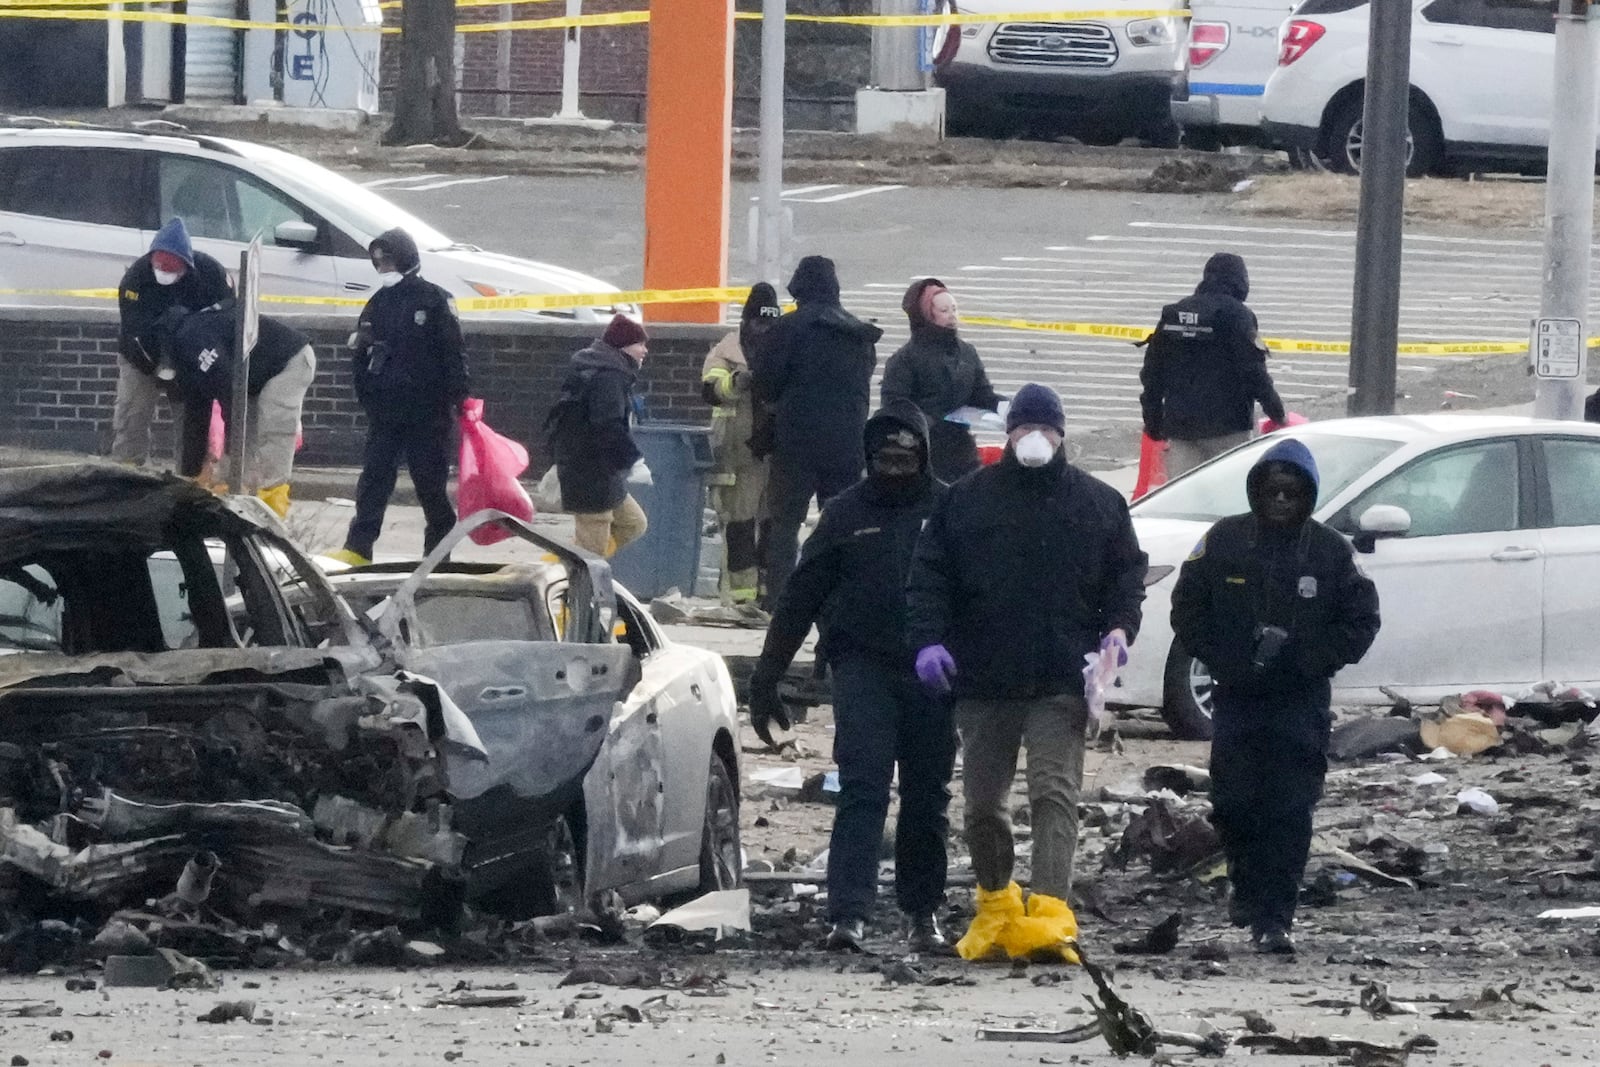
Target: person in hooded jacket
(1024,568)
(282,366)
(1272,602)
(851,581)
(815,369)
(157,292)
(411,377)
(740,478)
(1205,368)
(591,437)
(940,373)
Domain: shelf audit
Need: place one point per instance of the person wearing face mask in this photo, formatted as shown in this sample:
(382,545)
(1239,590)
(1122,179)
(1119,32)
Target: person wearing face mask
(815,370)
(411,377)
(851,581)
(1205,368)
(592,440)
(1272,602)
(156,294)
(939,372)
(1024,568)
(740,477)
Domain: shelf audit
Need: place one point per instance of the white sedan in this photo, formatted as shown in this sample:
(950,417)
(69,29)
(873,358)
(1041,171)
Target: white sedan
(1481,532)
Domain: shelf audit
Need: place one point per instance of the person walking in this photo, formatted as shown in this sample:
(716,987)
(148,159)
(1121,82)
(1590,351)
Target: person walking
(1024,568)
(1205,368)
(851,581)
(740,479)
(411,377)
(282,367)
(161,288)
(940,373)
(1272,602)
(592,440)
(815,369)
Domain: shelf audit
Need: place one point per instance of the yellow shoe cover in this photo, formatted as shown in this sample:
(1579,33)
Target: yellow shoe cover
(276,498)
(1048,931)
(354,559)
(997,909)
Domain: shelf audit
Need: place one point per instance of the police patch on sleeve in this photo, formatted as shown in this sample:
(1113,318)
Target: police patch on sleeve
(421,318)
(1199,549)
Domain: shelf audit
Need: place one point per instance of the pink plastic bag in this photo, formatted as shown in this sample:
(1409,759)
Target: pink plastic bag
(217,437)
(490,465)
(1292,418)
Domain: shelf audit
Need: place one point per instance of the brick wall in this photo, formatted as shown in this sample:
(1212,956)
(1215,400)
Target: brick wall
(826,64)
(58,380)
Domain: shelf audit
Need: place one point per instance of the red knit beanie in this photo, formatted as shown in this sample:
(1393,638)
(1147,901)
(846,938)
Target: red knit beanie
(623,332)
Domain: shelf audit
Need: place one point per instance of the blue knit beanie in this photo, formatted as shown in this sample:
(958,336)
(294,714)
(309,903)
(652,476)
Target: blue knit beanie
(1036,405)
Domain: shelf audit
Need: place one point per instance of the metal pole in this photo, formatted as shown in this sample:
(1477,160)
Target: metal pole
(1375,326)
(502,64)
(1569,203)
(897,50)
(769,208)
(571,65)
(239,409)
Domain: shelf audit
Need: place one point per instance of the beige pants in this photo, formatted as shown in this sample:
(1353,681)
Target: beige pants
(604,532)
(274,422)
(135,413)
(1185,456)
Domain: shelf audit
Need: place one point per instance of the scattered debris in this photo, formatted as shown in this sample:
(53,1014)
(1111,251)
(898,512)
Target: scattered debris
(719,914)
(1591,911)
(1365,738)
(48,1009)
(1468,733)
(479,1000)
(1502,1003)
(1173,841)
(1180,778)
(1477,801)
(226,1011)
(1375,1001)
(1314,1045)
(1156,942)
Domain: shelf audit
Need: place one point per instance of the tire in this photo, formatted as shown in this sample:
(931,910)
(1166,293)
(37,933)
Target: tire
(1200,139)
(721,857)
(1342,141)
(963,117)
(1098,136)
(1163,133)
(558,882)
(1186,696)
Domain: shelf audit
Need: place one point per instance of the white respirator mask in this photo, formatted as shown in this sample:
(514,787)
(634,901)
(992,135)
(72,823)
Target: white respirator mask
(166,277)
(390,278)
(1035,450)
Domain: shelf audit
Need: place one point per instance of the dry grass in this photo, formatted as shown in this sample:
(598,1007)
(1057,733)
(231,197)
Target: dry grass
(1489,204)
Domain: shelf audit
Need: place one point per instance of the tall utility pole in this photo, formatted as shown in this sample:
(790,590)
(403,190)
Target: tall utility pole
(1560,348)
(769,208)
(897,50)
(1375,329)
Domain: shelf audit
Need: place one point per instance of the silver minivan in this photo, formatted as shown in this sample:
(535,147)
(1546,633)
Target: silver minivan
(77,206)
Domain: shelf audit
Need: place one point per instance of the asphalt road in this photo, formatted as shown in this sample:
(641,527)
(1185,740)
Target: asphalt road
(1058,255)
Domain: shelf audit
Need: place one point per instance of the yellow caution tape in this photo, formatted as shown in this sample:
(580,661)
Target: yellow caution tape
(725,295)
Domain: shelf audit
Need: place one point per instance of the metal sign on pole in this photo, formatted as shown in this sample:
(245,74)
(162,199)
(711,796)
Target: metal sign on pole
(1380,225)
(247,330)
(571,65)
(1560,367)
(769,205)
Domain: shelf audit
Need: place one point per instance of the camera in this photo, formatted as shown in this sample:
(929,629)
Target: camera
(1269,641)
(378,357)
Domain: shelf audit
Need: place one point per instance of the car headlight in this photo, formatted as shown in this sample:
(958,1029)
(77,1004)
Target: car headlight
(1152,575)
(1151,32)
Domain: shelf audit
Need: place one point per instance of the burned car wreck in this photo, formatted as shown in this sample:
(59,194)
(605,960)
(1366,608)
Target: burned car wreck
(192,720)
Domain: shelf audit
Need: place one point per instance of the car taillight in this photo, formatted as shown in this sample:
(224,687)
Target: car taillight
(1298,38)
(946,51)
(1207,40)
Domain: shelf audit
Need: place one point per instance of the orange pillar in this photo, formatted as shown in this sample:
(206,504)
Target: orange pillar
(689,146)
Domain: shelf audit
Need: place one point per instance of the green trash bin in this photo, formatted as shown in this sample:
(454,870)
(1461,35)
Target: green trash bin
(668,555)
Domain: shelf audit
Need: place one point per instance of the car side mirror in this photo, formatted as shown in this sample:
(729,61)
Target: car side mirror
(1381,521)
(295,234)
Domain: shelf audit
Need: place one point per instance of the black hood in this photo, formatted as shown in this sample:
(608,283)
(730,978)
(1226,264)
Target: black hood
(901,414)
(815,281)
(1296,457)
(401,248)
(1225,273)
(601,356)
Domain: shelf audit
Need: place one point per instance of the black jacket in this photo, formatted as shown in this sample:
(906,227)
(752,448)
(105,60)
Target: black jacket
(815,368)
(1020,573)
(1205,367)
(411,359)
(852,573)
(1304,580)
(151,312)
(939,372)
(590,429)
(202,353)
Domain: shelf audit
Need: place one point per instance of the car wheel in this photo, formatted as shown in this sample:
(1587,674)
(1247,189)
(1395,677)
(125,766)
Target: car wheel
(1343,141)
(1162,133)
(963,117)
(559,880)
(1187,696)
(721,857)
(1200,139)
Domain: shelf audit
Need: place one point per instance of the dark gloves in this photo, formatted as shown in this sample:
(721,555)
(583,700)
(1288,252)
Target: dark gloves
(766,707)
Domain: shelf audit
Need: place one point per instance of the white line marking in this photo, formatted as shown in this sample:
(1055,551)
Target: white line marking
(1316,248)
(1328,233)
(851,195)
(450,182)
(805,190)
(396,181)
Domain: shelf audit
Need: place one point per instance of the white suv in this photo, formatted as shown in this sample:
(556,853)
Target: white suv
(1481,83)
(1097,79)
(1233,49)
(77,206)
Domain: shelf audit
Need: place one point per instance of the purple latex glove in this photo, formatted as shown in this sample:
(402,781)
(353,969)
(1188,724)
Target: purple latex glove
(1118,640)
(936,667)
